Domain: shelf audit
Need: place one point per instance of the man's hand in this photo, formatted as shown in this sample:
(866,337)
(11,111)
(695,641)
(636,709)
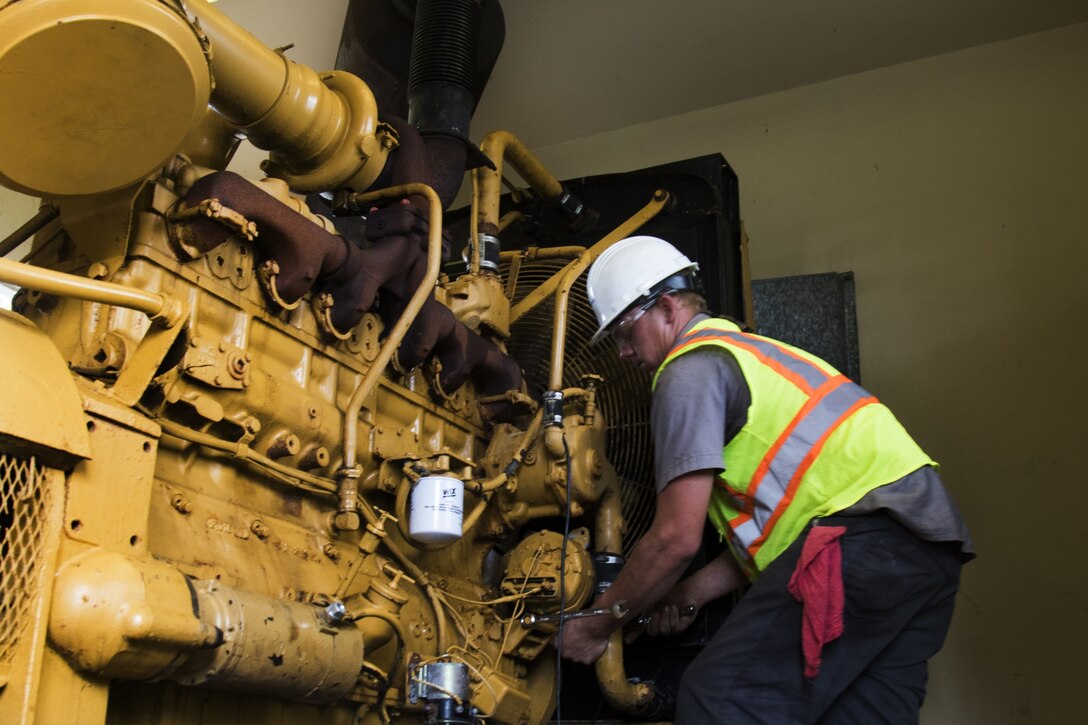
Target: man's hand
(670,619)
(582,642)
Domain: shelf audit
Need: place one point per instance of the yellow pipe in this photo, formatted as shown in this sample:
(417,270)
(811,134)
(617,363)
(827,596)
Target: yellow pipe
(321,129)
(162,310)
(611,673)
(612,676)
(559,324)
(533,253)
(245,453)
(349,472)
(541,293)
(509,218)
(502,146)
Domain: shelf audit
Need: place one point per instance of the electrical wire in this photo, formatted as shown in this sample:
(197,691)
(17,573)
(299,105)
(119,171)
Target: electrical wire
(519,605)
(500,600)
(562,592)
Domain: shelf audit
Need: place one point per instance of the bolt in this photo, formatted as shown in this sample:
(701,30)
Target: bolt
(285,444)
(336,612)
(314,457)
(236,365)
(347,521)
(259,528)
(181,503)
(331,551)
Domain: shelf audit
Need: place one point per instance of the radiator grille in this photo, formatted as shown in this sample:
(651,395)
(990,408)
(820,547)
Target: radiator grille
(22,514)
(624,397)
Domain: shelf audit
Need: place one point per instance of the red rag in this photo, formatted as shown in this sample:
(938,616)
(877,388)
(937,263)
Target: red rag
(817,584)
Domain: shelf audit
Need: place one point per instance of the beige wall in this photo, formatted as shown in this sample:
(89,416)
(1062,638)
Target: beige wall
(956,188)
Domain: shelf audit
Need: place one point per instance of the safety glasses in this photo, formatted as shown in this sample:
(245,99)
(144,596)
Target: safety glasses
(621,330)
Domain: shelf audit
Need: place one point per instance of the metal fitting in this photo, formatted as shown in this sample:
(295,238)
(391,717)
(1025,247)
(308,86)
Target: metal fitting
(553,408)
(569,205)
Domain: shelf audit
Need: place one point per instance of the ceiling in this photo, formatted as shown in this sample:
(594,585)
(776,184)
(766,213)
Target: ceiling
(575,68)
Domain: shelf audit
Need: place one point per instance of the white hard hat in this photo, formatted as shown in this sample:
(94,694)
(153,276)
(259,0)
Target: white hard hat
(630,270)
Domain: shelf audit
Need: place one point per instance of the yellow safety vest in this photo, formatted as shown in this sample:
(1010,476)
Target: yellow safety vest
(814,443)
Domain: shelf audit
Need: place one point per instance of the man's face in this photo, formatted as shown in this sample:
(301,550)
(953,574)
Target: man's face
(638,336)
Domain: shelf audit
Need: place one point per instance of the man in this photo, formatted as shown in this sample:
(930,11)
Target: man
(831,511)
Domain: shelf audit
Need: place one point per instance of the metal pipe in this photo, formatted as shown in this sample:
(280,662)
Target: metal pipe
(162,310)
(244,452)
(414,570)
(348,474)
(321,129)
(533,253)
(559,324)
(46,214)
(502,146)
(541,293)
(611,673)
(612,676)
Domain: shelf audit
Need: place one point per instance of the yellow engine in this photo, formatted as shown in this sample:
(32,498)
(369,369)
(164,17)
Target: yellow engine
(253,469)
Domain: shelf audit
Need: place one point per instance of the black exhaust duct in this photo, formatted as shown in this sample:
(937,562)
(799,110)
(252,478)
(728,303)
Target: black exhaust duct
(440,99)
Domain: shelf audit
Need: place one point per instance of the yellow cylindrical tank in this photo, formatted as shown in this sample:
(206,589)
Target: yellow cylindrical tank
(96,96)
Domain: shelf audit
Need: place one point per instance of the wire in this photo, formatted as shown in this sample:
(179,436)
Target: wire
(500,600)
(519,606)
(562,592)
(383,687)
(455,615)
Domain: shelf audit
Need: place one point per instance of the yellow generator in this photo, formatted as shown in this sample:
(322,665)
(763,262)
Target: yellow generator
(275,450)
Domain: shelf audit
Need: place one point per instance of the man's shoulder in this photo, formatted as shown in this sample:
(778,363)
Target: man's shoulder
(705,358)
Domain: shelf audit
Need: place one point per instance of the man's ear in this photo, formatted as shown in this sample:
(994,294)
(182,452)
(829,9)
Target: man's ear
(669,305)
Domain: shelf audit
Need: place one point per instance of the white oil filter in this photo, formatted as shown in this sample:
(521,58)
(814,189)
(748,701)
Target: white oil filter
(436,509)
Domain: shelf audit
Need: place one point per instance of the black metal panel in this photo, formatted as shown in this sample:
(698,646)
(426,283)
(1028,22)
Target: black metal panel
(815,312)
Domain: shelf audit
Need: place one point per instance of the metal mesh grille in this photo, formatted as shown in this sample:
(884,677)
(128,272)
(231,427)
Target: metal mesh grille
(624,397)
(22,511)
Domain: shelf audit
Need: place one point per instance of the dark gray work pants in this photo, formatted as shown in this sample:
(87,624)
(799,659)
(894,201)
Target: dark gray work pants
(899,592)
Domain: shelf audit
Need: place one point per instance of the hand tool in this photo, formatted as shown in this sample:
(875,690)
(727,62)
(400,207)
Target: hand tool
(617,610)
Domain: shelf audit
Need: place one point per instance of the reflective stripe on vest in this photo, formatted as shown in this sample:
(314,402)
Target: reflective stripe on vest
(832,399)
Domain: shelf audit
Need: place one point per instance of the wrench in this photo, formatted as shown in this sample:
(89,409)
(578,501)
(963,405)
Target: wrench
(617,610)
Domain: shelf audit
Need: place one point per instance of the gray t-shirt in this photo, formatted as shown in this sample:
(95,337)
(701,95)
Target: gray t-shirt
(701,401)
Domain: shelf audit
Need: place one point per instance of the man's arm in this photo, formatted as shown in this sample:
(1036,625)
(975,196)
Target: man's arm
(719,577)
(655,565)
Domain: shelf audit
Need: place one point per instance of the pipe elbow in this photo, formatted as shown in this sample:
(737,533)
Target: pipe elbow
(553,441)
(637,698)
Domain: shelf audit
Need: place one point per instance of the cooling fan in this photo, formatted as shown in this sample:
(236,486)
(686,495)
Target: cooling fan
(624,396)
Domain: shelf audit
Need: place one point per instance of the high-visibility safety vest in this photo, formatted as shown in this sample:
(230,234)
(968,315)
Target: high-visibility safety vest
(814,443)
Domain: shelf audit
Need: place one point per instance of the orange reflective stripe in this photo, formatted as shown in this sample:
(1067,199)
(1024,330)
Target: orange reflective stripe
(734,493)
